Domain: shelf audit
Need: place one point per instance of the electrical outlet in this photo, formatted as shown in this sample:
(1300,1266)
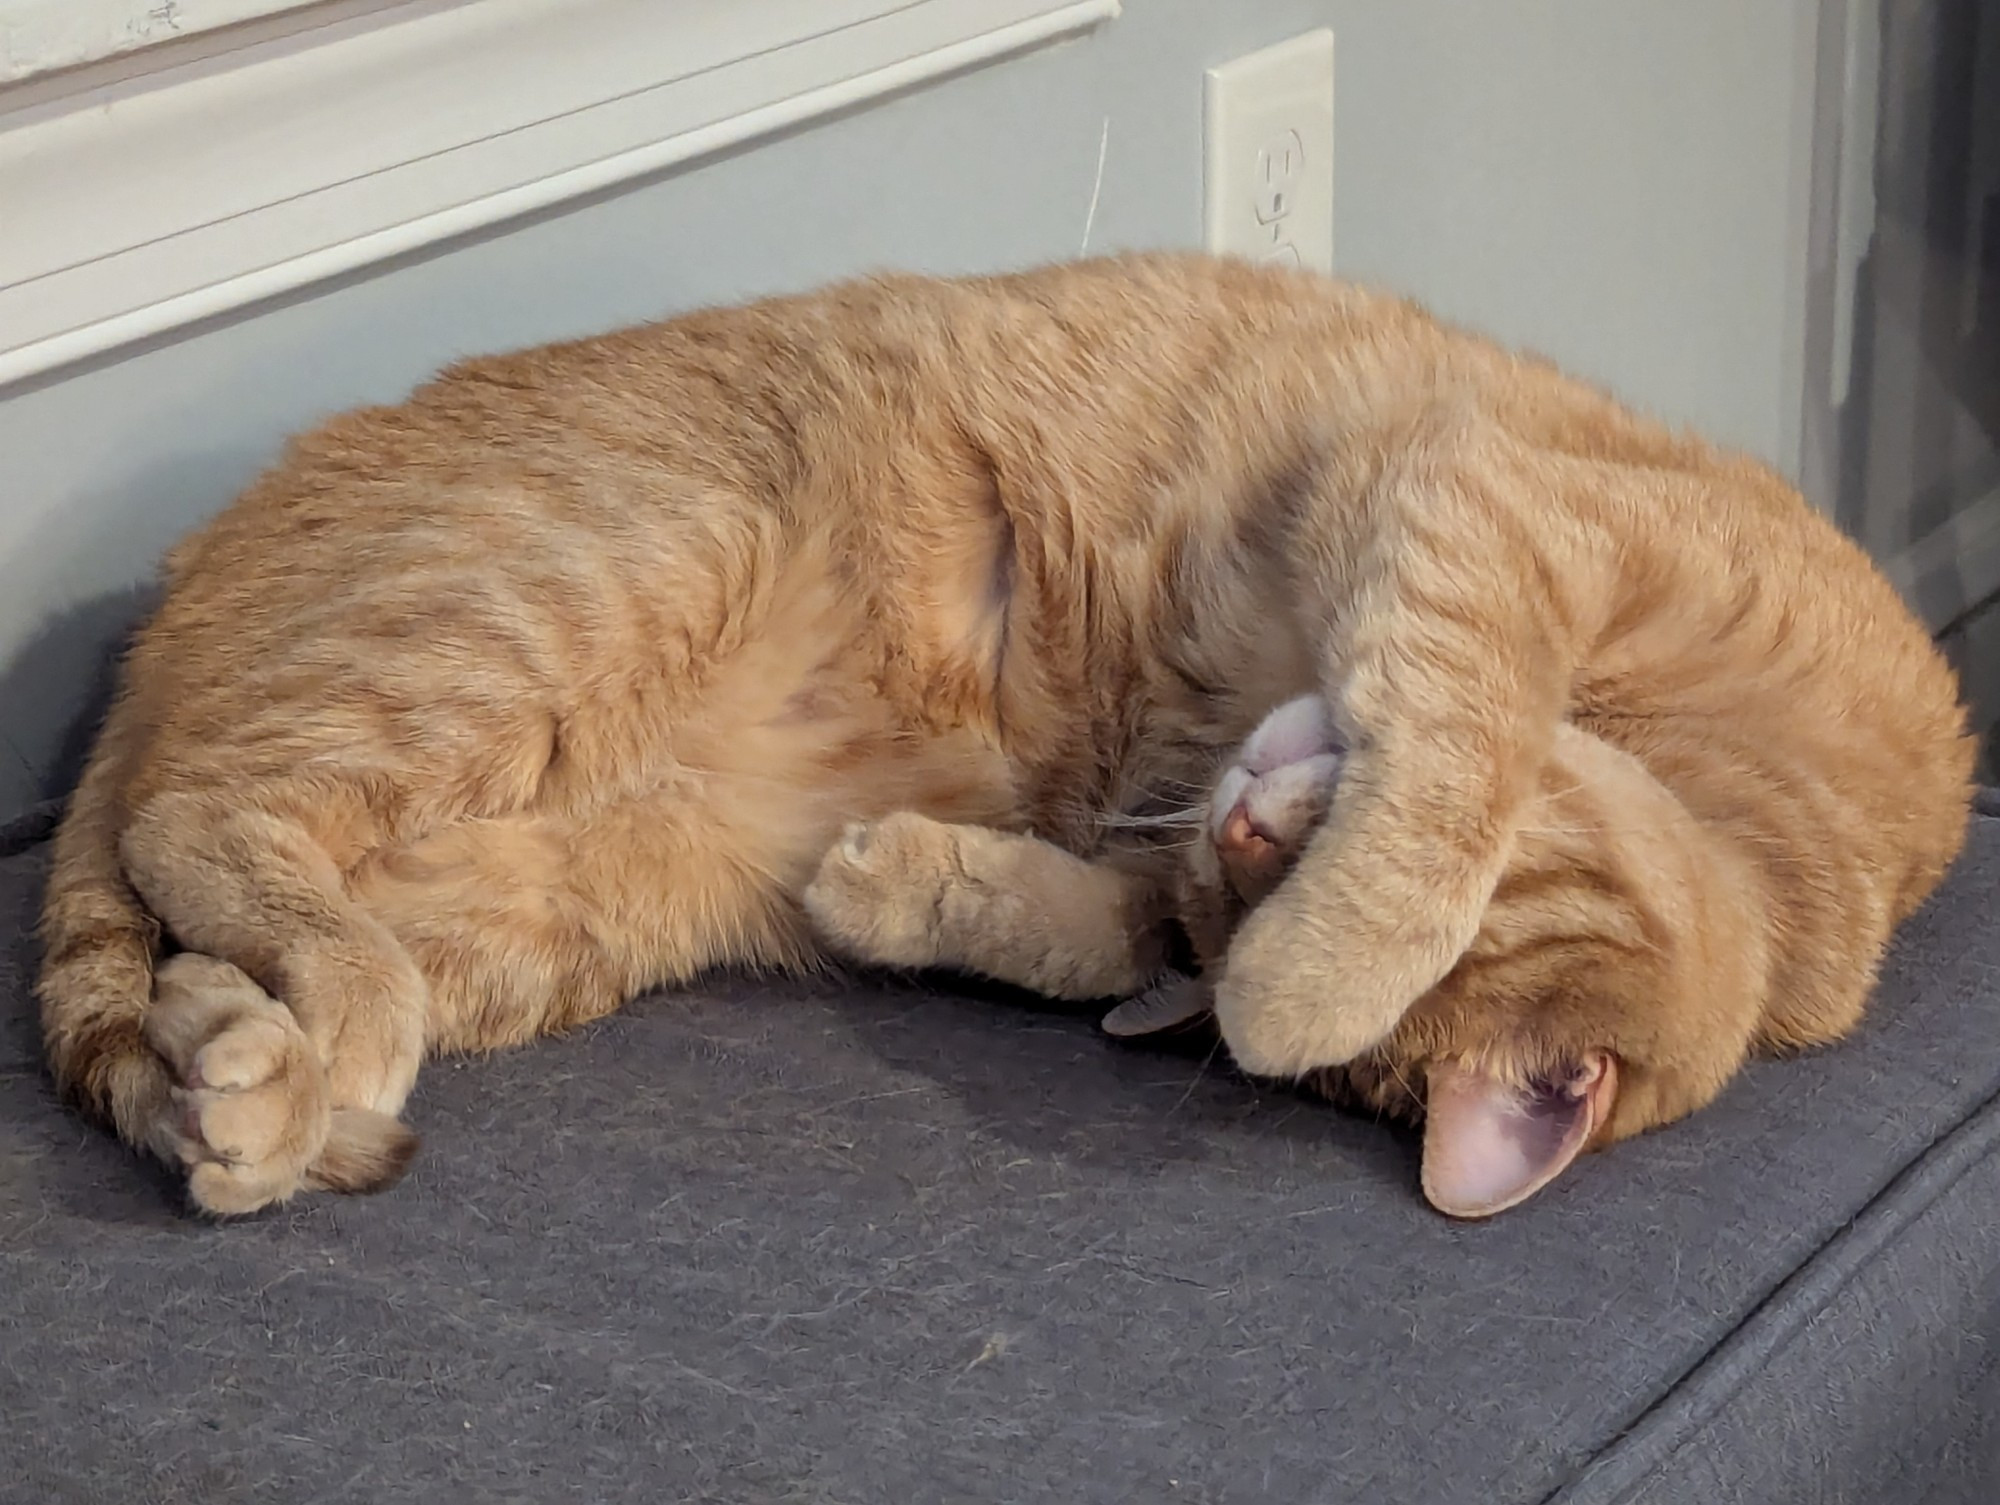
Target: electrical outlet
(1267,148)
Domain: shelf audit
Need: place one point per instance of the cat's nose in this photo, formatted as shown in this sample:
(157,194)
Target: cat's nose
(1236,830)
(1243,841)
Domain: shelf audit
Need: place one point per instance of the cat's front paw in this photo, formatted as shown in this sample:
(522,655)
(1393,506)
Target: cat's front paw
(250,1108)
(879,894)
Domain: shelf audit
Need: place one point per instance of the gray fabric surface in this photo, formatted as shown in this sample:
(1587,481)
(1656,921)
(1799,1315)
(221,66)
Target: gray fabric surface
(885,1243)
(1870,1376)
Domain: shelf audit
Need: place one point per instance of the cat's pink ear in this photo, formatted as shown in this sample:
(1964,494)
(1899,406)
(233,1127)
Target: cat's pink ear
(1489,1146)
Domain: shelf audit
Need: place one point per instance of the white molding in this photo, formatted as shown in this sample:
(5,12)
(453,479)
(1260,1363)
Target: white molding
(149,205)
(41,36)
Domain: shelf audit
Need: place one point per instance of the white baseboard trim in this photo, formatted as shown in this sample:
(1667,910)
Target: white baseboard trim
(145,207)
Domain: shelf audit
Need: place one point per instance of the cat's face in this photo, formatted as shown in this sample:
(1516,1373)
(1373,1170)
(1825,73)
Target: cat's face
(1608,990)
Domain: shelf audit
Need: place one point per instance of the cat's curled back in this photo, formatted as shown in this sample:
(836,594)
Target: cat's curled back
(477,714)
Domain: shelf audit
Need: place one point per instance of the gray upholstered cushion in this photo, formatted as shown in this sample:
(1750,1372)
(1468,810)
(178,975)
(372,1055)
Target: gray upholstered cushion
(883,1243)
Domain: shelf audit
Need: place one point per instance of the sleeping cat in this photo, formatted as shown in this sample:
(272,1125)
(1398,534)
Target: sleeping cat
(877,621)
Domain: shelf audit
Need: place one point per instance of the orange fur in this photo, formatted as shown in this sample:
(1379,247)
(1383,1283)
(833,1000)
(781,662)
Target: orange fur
(564,678)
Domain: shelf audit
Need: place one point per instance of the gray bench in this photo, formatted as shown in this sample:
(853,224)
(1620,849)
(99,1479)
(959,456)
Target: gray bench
(887,1243)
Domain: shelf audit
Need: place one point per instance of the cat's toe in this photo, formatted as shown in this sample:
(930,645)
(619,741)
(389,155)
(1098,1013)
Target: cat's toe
(251,1107)
(893,849)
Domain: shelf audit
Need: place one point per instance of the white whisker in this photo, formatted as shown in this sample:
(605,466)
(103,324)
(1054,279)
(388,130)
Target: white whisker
(1169,818)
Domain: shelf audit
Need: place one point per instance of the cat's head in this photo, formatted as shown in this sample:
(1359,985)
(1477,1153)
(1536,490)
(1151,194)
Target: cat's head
(1612,986)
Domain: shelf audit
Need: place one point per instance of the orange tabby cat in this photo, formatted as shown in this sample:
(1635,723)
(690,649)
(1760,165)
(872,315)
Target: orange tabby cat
(564,678)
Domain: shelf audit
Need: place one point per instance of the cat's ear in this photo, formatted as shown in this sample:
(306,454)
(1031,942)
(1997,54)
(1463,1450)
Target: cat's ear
(1489,1146)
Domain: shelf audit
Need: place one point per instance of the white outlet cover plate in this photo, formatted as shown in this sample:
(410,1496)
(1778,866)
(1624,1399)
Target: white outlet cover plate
(1267,146)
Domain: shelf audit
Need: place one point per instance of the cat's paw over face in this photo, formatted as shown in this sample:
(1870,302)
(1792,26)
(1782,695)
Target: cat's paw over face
(1273,795)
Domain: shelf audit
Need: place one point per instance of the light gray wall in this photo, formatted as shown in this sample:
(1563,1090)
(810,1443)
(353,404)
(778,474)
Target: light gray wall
(1621,186)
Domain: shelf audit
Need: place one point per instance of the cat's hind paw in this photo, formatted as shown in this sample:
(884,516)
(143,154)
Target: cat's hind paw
(250,1108)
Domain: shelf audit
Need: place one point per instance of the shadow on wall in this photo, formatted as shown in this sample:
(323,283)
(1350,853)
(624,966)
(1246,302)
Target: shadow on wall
(80,646)
(56,684)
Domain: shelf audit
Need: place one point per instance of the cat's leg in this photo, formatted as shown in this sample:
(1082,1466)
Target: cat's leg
(482,934)
(1449,653)
(251,1115)
(526,924)
(907,891)
(294,1026)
